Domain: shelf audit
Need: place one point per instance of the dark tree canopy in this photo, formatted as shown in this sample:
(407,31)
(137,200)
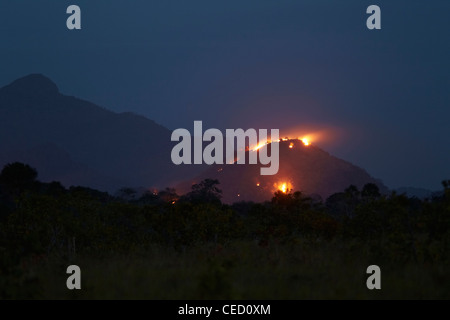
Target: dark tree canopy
(168,195)
(18,177)
(206,191)
(370,191)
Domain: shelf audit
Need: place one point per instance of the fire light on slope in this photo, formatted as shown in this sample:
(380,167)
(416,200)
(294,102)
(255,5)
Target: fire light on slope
(305,141)
(284,187)
(261,144)
(313,135)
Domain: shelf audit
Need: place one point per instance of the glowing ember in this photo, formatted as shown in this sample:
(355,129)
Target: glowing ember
(257,184)
(261,144)
(305,141)
(284,187)
(291,145)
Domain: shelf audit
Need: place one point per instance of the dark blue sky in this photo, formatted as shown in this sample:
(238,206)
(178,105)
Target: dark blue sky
(262,64)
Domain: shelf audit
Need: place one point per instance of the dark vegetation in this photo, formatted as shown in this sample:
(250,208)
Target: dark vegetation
(162,245)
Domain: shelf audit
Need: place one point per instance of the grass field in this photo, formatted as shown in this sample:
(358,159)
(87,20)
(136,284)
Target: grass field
(241,270)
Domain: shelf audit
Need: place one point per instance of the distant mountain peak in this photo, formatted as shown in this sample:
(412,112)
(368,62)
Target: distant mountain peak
(33,85)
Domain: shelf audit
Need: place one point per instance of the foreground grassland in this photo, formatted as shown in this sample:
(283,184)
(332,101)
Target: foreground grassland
(163,246)
(240,270)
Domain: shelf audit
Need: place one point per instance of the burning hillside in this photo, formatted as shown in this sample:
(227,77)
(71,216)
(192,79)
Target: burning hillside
(303,167)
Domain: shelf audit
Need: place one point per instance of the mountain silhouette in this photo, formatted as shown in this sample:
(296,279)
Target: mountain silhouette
(32,86)
(79,143)
(303,168)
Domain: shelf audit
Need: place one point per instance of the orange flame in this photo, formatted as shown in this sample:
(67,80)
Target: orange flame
(284,187)
(305,141)
(261,144)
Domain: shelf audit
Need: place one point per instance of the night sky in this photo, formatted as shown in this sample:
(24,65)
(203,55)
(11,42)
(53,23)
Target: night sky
(382,96)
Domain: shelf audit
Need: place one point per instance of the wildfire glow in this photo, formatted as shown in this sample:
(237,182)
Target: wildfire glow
(305,141)
(284,187)
(261,144)
(322,136)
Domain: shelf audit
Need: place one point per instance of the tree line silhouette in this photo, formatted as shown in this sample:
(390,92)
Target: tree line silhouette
(42,221)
